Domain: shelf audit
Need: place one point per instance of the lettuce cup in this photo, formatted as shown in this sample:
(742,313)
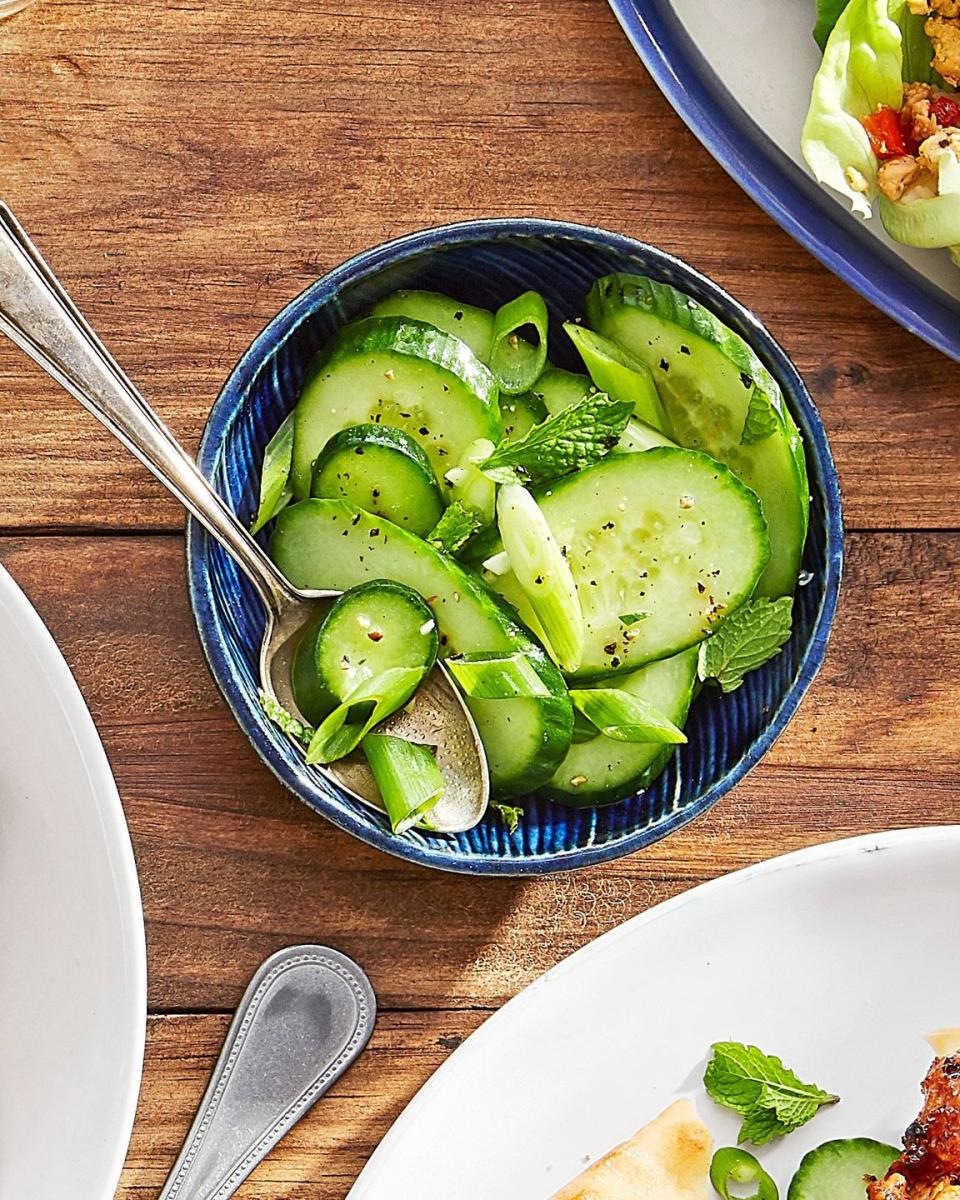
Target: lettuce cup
(883,128)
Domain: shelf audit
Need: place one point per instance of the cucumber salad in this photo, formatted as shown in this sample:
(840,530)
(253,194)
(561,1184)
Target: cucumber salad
(584,550)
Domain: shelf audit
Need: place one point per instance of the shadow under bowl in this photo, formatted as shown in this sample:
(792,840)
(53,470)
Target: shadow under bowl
(486,263)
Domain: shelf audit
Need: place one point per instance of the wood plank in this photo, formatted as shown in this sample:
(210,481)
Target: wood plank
(232,867)
(322,1156)
(188,169)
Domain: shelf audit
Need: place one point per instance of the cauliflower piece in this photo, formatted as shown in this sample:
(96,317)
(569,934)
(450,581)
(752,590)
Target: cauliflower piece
(946,8)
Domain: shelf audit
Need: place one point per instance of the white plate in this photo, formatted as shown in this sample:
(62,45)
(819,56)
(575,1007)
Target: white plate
(73,974)
(837,958)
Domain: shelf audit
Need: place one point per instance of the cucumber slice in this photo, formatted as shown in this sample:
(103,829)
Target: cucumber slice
(601,770)
(558,389)
(470,324)
(366,631)
(620,374)
(332,544)
(399,372)
(670,533)
(519,414)
(382,470)
(707,377)
(837,1170)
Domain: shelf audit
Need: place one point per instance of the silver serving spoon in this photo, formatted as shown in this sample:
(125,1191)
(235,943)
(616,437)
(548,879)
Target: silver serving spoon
(37,314)
(307,1014)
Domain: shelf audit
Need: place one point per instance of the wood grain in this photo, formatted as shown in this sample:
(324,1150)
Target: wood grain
(232,867)
(322,1156)
(190,168)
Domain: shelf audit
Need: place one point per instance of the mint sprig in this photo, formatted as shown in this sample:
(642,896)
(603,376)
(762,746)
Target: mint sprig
(772,1100)
(455,528)
(565,442)
(510,814)
(749,637)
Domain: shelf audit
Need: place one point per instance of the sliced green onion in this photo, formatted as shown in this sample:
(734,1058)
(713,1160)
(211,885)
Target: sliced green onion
(496,676)
(732,1165)
(583,730)
(516,361)
(471,487)
(619,373)
(275,490)
(407,775)
(624,717)
(543,574)
(367,705)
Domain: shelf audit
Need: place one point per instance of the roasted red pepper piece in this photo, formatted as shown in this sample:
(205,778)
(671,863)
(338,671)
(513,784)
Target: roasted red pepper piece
(886,136)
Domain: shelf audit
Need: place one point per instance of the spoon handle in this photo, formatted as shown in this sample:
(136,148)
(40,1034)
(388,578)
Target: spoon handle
(37,314)
(305,1017)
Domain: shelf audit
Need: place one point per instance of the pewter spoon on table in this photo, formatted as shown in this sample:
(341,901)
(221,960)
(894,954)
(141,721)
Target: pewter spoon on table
(37,314)
(307,1014)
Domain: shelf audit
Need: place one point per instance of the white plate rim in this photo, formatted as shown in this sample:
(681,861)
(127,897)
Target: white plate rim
(113,822)
(851,847)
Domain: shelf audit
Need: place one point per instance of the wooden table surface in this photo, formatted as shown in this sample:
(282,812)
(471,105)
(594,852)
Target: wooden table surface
(188,168)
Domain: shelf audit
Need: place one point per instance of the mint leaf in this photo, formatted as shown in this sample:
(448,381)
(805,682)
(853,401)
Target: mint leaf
(566,441)
(772,1100)
(793,1111)
(761,1126)
(761,420)
(749,637)
(292,726)
(275,490)
(510,814)
(632,618)
(455,528)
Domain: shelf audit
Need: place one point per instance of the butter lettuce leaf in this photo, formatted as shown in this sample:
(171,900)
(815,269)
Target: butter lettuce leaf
(861,69)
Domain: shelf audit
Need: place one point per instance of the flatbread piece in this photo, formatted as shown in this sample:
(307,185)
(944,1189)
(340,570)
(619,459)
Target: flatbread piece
(669,1159)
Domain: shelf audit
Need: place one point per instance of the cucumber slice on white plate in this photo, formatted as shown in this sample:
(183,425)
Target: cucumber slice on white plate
(719,398)
(669,533)
(838,1170)
(399,372)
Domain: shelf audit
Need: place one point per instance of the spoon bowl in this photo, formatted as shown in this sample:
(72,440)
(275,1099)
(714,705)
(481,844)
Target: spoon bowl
(38,316)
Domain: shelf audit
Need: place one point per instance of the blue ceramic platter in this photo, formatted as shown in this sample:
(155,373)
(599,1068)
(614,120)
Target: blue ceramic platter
(488,262)
(740,76)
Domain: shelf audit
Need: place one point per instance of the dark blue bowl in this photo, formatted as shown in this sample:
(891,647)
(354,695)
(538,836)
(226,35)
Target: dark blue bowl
(486,263)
